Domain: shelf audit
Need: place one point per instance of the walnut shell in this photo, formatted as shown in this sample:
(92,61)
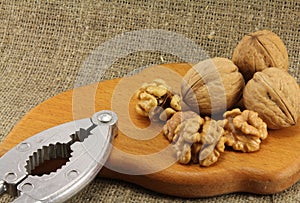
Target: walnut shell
(212,86)
(275,96)
(258,51)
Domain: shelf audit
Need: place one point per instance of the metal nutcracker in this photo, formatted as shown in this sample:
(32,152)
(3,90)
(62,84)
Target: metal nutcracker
(87,145)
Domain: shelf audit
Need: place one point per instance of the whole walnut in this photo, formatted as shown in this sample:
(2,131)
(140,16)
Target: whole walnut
(212,86)
(258,51)
(275,96)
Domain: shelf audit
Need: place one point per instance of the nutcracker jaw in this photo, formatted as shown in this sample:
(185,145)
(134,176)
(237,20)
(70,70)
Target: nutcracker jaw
(87,145)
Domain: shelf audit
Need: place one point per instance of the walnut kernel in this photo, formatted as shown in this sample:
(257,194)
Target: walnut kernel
(157,101)
(212,141)
(244,130)
(171,125)
(195,139)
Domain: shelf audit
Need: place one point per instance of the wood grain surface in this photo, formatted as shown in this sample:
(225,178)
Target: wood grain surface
(142,155)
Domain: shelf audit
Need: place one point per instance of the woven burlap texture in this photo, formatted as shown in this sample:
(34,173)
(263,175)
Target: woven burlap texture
(44,44)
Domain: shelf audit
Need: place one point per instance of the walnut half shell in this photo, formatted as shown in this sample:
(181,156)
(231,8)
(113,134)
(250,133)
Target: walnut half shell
(275,96)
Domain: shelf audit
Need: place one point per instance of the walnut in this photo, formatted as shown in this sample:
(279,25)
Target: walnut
(183,151)
(167,113)
(185,134)
(244,130)
(157,101)
(171,125)
(188,129)
(146,103)
(212,86)
(212,141)
(275,96)
(195,151)
(258,51)
(175,102)
(195,139)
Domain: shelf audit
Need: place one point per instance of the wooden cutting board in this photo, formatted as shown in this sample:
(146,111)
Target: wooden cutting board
(140,154)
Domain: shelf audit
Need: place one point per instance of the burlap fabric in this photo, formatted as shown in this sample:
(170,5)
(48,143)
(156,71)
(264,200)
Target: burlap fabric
(44,44)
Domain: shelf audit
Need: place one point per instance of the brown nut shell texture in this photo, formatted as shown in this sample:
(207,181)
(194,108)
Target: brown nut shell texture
(212,86)
(275,96)
(258,51)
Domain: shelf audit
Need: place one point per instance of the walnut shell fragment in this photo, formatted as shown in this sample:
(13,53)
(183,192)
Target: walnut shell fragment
(244,130)
(212,86)
(275,96)
(258,51)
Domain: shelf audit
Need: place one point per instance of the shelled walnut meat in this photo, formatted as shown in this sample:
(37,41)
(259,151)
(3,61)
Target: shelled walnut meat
(186,133)
(171,125)
(258,51)
(244,130)
(275,96)
(212,86)
(212,139)
(194,138)
(157,101)
(202,141)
